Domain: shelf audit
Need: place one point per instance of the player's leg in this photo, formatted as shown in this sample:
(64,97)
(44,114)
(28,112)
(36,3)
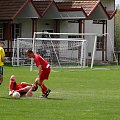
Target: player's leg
(44,75)
(41,84)
(1,75)
(44,89)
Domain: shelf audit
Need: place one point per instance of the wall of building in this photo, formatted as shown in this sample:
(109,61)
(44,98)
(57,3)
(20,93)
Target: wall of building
(68,27)
(97,28)
(110,5)
(111,35)
(26,27)
(45,25)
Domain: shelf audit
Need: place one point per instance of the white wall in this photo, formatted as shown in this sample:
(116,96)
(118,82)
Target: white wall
(68,27)
(26,27)
(110,38)
(92,28)
(97,28)
(45,25)
(65,26)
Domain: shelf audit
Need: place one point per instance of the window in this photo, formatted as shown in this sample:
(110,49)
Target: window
(99,43)
(1,31)
(99,21)
(16,28)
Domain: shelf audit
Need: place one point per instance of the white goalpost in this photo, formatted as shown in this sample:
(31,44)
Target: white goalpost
(60,49)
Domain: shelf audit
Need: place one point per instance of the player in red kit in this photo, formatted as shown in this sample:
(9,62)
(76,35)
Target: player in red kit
(43,71)
(22,88)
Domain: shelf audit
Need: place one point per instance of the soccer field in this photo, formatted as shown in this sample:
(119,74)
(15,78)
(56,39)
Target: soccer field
(76,95)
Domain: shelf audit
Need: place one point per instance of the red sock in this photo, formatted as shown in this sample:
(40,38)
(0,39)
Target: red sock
(43,88)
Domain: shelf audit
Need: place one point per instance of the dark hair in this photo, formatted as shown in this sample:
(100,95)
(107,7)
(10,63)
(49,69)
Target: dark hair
(2,42)
(29,51)
(35,88)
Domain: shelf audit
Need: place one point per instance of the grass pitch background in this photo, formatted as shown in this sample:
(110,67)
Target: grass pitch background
(76,95)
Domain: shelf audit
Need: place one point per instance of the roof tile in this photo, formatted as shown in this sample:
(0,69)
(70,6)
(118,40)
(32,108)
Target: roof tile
(86,5)
(41,6)
(8,8)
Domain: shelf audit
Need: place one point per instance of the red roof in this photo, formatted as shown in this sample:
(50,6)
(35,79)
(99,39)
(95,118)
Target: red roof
(111,13)
(42,6)
(10,8)
(87,6)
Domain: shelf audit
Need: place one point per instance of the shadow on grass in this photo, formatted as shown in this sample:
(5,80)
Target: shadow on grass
(38,98)
(30,98)
(55,99)
(4,97)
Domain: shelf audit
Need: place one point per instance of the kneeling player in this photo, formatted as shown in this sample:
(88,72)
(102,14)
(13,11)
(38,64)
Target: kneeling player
(23,88)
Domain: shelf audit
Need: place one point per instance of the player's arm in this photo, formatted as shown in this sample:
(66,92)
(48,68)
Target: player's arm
(34,87)
(3,55)
(11,92)
(2,59)
(39,70)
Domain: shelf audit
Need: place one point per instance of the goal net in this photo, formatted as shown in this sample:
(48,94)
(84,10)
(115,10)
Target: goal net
(60,49)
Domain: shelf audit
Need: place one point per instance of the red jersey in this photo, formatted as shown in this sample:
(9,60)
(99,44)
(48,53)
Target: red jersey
(15,86)
(40,61)
(19,86)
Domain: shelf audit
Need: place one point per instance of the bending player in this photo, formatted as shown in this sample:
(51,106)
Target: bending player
(43,71)
(22,88)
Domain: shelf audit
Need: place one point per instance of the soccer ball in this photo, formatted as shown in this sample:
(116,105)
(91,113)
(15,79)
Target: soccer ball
(16,95)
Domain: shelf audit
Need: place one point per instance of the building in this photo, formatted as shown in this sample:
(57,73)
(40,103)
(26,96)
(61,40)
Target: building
(20,18)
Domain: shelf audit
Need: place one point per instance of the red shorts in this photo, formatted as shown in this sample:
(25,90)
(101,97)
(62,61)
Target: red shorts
(44,74)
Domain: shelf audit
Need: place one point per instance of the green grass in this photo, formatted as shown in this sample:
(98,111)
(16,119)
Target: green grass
(76,95)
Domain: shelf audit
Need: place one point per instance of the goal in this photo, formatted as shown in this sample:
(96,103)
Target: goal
(60,49)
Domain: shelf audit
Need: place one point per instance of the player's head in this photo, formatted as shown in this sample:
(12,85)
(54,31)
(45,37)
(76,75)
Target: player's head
(1,44)
(29,53)
(13,77)
(34,88)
